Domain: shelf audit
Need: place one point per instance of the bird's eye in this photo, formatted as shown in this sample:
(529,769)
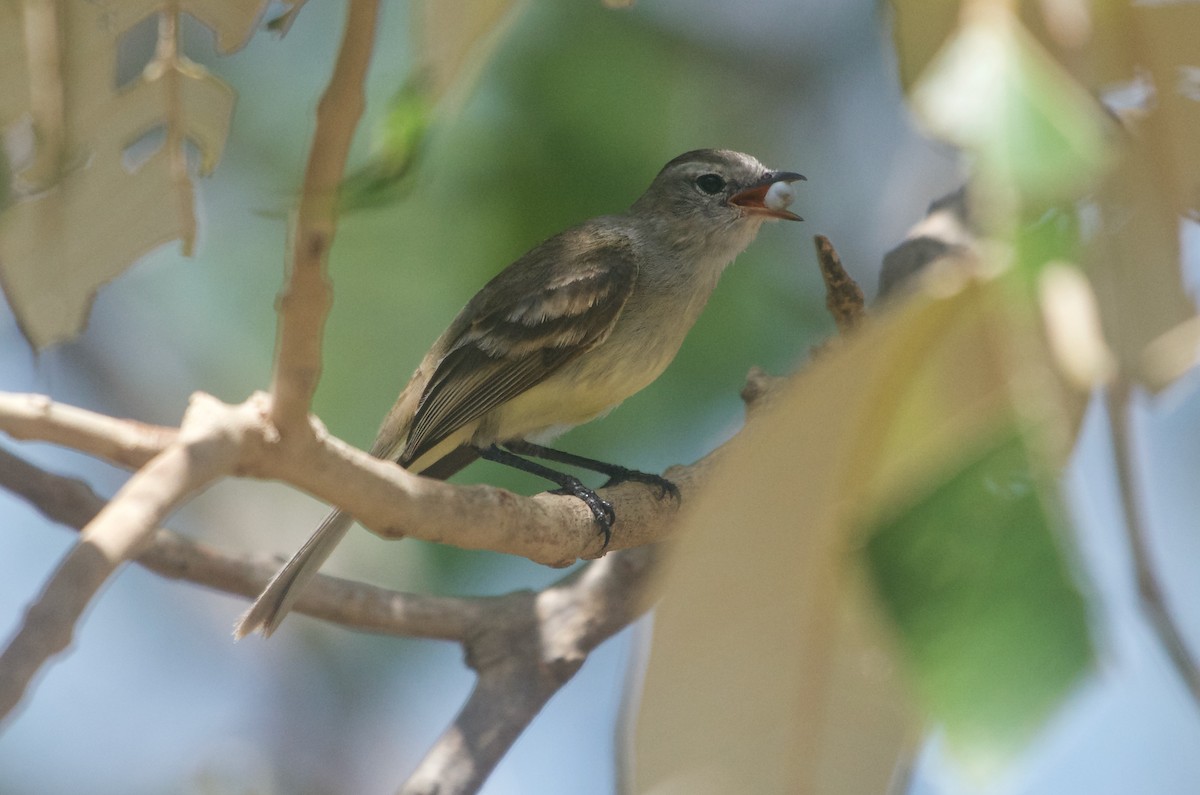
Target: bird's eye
(710,183)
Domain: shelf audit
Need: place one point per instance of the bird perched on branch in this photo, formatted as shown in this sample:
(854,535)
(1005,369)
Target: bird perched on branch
(560,337)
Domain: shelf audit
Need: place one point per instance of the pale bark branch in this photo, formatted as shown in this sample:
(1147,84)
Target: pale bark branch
(1150,590)
(205,449)
(524,657)
(525,646)
(73,503)
(307,296)
(548,528)
(127,443)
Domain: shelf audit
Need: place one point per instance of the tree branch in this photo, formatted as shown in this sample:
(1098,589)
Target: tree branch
(524,656)
(548,528)
(72,503)
(1150,590)
(525,646)
(306,298)
(205,449)
(551,529)
(127,443)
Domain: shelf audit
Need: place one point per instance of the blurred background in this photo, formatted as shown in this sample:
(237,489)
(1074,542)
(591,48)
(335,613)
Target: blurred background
(571,117)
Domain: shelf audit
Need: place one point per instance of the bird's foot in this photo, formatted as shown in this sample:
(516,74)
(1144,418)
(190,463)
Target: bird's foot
(602,510)
(665,487)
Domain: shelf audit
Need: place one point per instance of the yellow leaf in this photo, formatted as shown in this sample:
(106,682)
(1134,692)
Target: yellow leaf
(919,29)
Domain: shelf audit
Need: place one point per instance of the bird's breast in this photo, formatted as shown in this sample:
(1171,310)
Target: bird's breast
(644,340)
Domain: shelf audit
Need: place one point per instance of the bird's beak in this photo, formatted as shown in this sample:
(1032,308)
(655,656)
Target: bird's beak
(754,197)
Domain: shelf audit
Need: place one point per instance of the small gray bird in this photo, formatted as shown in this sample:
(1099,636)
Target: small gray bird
(560,337)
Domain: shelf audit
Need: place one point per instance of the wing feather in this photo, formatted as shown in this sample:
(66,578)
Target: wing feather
(567,302)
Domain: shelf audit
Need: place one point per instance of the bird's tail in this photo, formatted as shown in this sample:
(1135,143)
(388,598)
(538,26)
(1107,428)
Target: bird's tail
(284,588)
(276,600)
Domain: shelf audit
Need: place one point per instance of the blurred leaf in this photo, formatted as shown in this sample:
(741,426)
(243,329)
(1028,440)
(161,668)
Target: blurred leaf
(14,77)
(454,38)
(976,407)
(93,213)
(919,29)
(1053,236)
(282,23)
(889,423)
(1134,259)
(769,671)
(993,628)
(396,143)
(5,180)
(1039,139)
(1071,317)
(1037,135)
(1157,42)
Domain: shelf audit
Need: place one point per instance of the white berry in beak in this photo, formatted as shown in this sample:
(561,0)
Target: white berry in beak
(779,196)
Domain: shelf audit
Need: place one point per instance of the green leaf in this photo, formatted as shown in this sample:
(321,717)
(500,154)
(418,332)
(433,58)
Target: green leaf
(1052,237)
(396,144)
(1037,134)
(990,620)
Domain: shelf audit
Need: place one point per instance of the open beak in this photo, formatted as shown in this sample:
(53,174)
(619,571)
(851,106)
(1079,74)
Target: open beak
(753,198)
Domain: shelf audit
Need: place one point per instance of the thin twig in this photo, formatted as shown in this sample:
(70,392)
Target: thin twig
(127,443)
(306,298)
(843,296)
(204,451)
(73,504)
(1150,590)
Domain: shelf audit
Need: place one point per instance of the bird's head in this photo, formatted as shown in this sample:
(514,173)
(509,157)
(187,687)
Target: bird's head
(721,188)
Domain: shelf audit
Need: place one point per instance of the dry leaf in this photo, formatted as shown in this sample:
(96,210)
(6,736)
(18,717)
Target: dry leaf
(454,38)
(919,29)
(1134,261)
(86,215)
(771,671)
(1146,48)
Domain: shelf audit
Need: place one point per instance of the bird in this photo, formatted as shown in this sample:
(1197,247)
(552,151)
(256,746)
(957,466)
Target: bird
(560,337)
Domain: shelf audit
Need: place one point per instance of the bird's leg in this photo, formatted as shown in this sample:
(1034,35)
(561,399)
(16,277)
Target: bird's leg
(602,510)
(616,474)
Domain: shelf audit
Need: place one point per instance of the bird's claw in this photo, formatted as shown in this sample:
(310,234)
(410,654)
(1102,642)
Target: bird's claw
(602,511)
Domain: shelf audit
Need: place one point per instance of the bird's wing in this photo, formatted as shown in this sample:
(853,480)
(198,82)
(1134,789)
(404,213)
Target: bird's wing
(567,302)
